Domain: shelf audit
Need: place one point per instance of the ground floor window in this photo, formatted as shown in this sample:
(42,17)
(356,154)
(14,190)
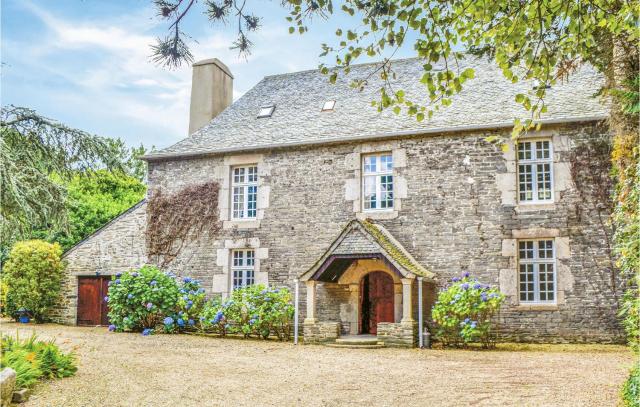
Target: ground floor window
(537,271)
(243,268)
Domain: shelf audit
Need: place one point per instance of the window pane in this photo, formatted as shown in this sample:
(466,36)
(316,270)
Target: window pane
(544,181)
(526,282)
(370,164)
(370,192)
(524,151)
(252,197)
(386,163)
(525,178)
(252,174)
(238,202)
(238,175)
(543,150)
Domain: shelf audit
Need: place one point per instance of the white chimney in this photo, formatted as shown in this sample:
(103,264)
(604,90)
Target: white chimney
(211,92)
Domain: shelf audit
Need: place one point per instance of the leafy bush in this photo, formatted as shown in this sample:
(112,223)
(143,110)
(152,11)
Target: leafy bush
(32,275)
(33,359)
(252,310)
(631,388)
(463,311)
(140,299)
(188,309)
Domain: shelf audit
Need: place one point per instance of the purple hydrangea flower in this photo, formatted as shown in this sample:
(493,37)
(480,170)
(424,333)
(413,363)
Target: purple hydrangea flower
(466,274)
(149,305)
(477,286)
(186,280)
(473,324)
(117,281)
(153,282)
(135,274)
(218,317)
(483,297)
(252,321)
(106,299)
(467,320)
(146,332)
(191,322)
(168,321)
(464,286)
(112,328)
(118,275)
(455,279)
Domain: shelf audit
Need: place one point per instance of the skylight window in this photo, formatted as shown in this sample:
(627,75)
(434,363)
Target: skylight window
(266,111)
(328,105)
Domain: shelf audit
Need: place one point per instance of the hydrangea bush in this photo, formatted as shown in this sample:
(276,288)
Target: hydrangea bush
(141,299)
(463,311)
(190,303)
(253,310)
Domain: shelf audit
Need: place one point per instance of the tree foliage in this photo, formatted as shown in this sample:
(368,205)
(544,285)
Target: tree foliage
(33,274)
(541,40)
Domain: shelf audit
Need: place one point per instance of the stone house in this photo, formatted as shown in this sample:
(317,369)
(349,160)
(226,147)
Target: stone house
(370,211)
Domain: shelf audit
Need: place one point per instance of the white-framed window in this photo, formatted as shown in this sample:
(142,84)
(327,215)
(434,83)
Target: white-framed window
(377,182)
(243,267)
(535,171)
(537,271)
(244,184)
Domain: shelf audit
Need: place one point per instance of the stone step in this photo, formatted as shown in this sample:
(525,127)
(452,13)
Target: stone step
(357,340)
(355,346)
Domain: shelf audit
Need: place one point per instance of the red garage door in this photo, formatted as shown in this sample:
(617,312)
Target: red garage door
(92,308)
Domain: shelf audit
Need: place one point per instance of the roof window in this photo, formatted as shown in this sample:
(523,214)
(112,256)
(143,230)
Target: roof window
(266,111)
(328,105)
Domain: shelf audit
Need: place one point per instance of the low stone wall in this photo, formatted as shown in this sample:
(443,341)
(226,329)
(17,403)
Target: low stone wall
(398,334)
(320,332)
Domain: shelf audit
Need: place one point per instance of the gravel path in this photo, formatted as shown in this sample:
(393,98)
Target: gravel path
(184,370)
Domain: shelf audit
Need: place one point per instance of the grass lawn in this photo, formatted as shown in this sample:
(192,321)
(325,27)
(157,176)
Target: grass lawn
(184,370)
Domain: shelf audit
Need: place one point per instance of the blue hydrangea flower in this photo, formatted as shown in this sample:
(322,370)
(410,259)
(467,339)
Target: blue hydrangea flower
(180,322)
(452,302)
(218,317)
(168,321)
(118,275)
(149,305)
(455,279)
(146,332)
(186,298)
(466,274)
(130,296)
(191,322)
(189,302)
(473,324)
(483,297)
(477,286)
(112,328)
(186,280)
(464,286)
(106,299)
(153,282)
(117,281)
(252,321)
(467,320)
(135,274)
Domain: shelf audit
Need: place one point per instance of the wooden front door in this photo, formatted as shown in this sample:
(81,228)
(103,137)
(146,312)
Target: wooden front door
(92,308)
(376,299)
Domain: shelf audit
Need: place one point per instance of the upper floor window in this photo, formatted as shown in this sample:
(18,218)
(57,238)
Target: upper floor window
(244,183)
(537,270)
(243,268)
(535,171)
(377,182)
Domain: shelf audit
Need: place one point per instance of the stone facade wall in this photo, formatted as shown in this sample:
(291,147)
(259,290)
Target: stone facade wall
(458,212)
(320,332)
(119,246)
(398,334)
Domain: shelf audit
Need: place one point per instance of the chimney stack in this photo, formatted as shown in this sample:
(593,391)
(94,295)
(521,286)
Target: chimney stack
(211,92)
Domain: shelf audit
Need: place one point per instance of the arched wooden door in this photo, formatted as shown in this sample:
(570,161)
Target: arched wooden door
(376,301)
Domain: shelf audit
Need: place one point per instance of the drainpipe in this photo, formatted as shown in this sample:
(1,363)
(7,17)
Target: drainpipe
(420,337)
(295,315)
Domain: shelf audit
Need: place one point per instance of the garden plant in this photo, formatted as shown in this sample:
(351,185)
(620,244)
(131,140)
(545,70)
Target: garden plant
(32,278)
(35,360)
(463,312)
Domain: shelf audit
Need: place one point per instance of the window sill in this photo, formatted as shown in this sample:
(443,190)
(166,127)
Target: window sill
(535,206)
(536,307)
(241,224)
(377,215)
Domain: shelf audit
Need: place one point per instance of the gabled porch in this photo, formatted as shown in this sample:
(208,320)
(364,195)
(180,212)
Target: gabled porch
(366,283)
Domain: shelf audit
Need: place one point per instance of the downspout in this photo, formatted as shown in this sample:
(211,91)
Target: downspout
(295,315)
(420,337)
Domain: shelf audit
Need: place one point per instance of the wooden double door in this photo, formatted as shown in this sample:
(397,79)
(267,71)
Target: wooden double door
(376,301)
(92,308)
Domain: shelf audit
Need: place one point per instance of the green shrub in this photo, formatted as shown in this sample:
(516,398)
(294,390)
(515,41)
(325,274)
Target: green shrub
(140,299)
(189,306)
(631,388)
(463,311)
(33,359)
(32,275)
(252,310)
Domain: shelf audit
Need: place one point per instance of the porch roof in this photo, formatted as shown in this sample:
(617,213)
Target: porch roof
(364,240)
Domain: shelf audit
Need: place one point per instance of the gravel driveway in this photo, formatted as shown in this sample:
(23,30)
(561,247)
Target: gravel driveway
(184,370)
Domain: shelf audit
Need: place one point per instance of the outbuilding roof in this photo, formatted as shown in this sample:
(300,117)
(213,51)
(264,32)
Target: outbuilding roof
(487,101)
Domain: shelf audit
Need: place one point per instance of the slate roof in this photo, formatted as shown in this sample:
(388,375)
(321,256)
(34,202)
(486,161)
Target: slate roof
(487,101)
(367,237)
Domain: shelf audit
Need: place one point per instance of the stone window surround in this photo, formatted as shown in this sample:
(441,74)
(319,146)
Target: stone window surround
(353,185)
(508,278)
(222,282)
(507,182)
(224,174)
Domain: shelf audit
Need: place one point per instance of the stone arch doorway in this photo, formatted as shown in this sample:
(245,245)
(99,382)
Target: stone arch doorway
(376,301)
